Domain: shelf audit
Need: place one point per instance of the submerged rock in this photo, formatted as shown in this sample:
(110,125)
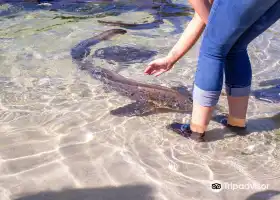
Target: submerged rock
(125,54)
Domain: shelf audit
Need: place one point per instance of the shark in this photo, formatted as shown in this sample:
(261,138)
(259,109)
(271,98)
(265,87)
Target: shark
(142,94)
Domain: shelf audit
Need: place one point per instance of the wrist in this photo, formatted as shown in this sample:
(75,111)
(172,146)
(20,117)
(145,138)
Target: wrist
(171,59)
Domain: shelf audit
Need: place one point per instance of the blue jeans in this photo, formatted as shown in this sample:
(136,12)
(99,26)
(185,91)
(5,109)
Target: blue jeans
(231,26)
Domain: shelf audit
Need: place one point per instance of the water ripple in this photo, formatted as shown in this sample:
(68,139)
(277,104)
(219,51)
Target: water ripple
(57,131)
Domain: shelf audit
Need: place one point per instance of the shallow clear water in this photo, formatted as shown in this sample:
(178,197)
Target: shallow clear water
(59,140)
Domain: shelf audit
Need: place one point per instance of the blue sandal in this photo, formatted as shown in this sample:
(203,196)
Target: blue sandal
(222,119)
(185,130)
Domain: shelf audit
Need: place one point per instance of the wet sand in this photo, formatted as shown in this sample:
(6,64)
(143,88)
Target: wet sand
(59,139)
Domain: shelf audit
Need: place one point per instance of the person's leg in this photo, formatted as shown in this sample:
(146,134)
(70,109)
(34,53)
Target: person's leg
(238,72)
(228,20)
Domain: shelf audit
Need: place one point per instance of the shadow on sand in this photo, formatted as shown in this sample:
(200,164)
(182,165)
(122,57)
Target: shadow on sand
(129,192)
(253,126)
(264,195)
(137,192)
(271,94)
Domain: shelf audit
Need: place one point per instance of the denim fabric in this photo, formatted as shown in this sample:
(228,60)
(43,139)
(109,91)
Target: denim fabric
(232,25)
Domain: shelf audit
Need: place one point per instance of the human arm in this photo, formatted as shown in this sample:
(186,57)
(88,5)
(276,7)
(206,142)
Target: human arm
(189,37)
(192,32)
(202,8)
(183,45)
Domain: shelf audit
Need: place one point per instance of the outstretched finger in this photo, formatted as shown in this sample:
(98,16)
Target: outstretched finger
(149,69)
(160,72)
(154,71)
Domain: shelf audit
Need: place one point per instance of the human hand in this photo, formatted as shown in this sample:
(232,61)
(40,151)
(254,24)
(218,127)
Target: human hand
(159,66)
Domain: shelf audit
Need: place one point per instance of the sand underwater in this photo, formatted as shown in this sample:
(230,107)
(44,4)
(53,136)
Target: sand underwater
(60,136)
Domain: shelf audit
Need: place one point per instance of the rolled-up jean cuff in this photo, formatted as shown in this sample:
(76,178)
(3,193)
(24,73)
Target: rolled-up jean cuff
(238,92)
(205,98)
